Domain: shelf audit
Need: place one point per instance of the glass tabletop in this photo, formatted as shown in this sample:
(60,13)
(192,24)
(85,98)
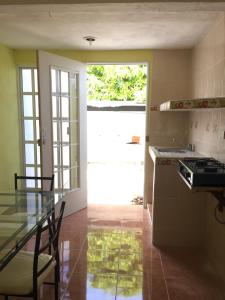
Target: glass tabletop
(20,214)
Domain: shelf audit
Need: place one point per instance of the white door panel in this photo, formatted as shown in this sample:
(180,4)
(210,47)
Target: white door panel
(63,126)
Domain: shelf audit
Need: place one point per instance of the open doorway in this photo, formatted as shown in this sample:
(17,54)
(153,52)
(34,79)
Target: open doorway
(116,118)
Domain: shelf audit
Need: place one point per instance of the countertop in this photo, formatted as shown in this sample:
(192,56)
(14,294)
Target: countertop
(155,154)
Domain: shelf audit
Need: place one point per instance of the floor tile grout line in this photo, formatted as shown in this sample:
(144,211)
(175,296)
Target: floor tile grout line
(122,228)
(119,263)
(117,277)
(164,277)
(79,255)
(149,214)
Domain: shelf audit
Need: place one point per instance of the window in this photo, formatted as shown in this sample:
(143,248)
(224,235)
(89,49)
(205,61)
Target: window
(65,128)
(30,125)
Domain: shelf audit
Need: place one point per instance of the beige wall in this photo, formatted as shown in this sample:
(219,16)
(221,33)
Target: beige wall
(171,79)
(207,128)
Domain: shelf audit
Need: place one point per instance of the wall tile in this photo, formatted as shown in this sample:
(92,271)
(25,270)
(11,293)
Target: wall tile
(208,70)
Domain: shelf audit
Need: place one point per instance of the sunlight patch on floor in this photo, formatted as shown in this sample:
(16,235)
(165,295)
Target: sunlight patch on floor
(114,184)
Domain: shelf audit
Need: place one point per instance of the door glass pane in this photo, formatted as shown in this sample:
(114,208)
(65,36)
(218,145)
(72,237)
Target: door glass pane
(65,132)
(37,130)
(35,81)
(56,155)
(55,132)
(65,107)
(29,182)
(38,155)
(53,79)
(66,179)
(56,178)
(39,175)
(66,156)
(37,106)
(29,130)
(27,80)
(64,82)
(27,106)
(29,153)
(54,107)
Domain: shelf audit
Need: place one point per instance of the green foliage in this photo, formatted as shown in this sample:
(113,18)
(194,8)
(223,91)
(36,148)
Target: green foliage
(113,251)
(117,82)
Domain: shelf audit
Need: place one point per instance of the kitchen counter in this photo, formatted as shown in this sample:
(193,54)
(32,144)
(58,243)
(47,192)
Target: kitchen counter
(178,213)
(155,153)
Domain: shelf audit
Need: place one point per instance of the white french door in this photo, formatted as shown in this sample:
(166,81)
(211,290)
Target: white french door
(63,126)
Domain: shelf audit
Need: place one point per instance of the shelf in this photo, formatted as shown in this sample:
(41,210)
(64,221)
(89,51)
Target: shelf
(193,104)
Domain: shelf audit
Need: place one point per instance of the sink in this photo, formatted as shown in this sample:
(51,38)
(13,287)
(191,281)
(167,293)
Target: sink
(172,150)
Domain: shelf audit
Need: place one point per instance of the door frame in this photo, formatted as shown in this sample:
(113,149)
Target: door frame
(147,116)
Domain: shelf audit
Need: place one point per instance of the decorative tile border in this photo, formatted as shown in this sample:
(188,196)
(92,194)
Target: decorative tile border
(166,161)
(193,104)
(154,107)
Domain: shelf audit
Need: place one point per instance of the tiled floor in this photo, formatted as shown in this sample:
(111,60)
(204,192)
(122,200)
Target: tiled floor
(107,253)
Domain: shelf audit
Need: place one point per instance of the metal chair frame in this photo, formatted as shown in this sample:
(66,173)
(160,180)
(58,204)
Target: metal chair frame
(53,227)
(42,178)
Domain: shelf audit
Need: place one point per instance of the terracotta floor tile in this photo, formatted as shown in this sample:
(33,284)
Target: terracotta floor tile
(104,240)
(188,277)
(132,224)
(71,240)
(91,287)
(154,272)
(131,242)
(99,262)
(110,223)
(130,287)
(131,264)
(107,254)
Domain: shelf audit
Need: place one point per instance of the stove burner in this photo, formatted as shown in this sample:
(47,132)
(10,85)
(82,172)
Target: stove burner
(200,163)
(211,169)
(203,172)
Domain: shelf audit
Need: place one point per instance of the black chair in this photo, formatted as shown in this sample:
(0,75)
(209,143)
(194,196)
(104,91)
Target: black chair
(49,179)
(27,270)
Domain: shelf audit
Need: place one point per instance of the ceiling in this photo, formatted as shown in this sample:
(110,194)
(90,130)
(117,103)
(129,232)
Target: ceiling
(115,26)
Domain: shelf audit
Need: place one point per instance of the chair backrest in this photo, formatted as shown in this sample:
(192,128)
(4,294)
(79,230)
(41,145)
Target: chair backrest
(41,178)
(47,237)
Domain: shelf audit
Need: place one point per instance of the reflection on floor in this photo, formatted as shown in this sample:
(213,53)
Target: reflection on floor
(106,253)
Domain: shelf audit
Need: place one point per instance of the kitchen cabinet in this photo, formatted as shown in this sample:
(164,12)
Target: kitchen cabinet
(177,213)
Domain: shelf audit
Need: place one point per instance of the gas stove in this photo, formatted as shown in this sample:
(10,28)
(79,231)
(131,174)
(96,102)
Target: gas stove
(203,172)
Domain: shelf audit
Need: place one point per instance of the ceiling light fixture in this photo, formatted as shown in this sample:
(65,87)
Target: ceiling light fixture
(90,39)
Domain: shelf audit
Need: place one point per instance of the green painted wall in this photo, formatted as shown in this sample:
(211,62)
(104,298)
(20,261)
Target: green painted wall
(9,133)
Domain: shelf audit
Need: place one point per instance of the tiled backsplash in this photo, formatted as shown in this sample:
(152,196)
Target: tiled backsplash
(207,129)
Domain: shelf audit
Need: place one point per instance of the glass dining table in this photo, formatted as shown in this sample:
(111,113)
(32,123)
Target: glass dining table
(21,213)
